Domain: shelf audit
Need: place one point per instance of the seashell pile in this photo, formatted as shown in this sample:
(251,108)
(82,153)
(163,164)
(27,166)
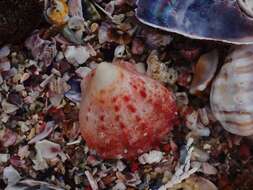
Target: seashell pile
(93,99)
(231,95)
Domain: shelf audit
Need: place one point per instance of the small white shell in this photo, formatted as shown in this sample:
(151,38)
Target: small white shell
(77,54)
(231,95)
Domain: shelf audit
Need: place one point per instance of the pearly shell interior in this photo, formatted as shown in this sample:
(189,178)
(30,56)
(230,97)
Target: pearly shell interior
(231,96)
(218,20)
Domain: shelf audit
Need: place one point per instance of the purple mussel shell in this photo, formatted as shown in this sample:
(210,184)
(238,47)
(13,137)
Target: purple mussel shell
(217,20)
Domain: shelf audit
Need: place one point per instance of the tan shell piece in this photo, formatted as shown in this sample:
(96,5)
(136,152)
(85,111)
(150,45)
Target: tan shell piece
(204,71)
(195,183)
(231,96)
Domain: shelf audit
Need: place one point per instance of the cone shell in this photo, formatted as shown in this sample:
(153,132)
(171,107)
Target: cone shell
(231,95)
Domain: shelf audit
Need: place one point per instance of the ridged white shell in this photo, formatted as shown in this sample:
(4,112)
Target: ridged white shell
(231,95)
(246,6)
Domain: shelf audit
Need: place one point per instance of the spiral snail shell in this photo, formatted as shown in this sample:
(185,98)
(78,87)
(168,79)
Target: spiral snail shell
(231,96)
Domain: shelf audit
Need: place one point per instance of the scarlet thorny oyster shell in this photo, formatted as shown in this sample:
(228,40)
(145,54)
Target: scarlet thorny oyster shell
(231,96)
(218,20)
(124,113)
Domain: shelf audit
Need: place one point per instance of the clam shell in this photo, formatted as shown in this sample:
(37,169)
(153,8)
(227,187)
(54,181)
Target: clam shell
(218,20)
(231,96)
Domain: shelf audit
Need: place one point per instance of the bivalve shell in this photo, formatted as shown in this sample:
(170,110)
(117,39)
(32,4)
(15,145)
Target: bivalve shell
(227,21)
(231,94)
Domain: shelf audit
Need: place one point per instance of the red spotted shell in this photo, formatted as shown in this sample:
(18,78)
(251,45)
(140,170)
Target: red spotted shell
(124,113)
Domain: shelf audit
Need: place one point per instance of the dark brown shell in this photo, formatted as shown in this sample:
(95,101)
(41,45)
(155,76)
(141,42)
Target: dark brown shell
(18,18)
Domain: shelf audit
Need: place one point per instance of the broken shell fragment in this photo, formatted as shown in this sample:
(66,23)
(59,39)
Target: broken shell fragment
(231,94)
(11,175)
(42,50)
(204,71)
(74,30)
(75,8)
(76,54)
(160,71)
(124,113)
(195,183)
(32,184)
(89,11)
(207,20)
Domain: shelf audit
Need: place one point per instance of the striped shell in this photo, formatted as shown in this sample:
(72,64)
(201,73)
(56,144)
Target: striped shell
(231,95)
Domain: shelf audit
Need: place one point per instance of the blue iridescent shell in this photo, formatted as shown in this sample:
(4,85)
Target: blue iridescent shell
(218,20)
